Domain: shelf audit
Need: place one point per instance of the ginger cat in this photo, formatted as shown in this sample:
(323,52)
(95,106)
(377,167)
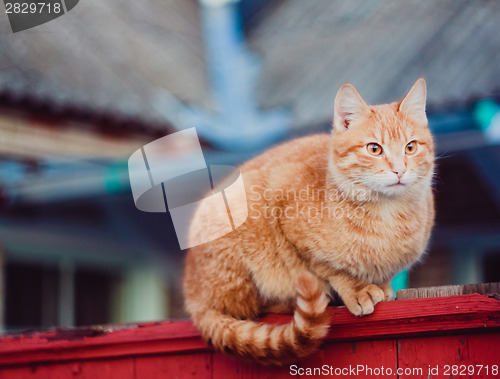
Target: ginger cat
(342,212)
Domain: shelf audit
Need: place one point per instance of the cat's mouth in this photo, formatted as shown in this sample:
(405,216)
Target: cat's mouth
(396,184)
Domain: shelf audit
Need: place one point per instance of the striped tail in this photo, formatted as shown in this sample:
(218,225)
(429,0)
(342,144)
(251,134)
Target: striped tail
(272,344)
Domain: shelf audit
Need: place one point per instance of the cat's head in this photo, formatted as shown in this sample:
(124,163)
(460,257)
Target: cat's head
(384,149)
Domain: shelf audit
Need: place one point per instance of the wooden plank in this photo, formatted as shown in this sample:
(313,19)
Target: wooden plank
(344,357)
(390,319)
(465,353)
(227,366)
(356,358)
(101,342)
(107,369)
(196,366)
(60,371)
(412,317)
(427,292)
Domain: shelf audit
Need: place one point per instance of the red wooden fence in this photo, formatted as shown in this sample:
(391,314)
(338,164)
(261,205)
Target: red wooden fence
(456,336)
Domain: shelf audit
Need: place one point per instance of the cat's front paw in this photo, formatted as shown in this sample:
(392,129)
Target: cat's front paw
(363,301)
(388,292)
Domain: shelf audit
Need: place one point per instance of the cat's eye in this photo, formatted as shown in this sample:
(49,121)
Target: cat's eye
(411,148)
(374,148)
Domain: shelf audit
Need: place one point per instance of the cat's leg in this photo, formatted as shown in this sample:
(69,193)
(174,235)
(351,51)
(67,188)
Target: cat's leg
(287,305)
(219,282)
(358,296)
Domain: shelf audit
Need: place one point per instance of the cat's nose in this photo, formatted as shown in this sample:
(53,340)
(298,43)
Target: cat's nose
(399,173)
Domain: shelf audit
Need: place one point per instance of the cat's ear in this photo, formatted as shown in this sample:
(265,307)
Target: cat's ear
(413,104)
(349,107)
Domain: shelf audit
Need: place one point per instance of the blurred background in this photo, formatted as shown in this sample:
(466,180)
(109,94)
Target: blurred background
(80,94)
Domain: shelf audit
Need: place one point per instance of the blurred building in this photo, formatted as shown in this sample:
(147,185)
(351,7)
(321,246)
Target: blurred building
(81,93)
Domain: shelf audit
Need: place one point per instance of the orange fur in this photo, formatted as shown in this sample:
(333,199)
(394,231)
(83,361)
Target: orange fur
(323,213)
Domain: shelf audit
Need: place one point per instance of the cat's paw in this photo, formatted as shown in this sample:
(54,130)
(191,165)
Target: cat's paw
(363,301)
(388,292)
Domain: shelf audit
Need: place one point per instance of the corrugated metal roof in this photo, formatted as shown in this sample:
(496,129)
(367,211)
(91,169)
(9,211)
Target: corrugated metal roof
(119,56)
(109,55)
(311,47)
